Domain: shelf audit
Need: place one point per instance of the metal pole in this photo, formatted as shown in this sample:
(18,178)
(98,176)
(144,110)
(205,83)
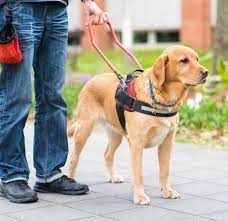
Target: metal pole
(127,33)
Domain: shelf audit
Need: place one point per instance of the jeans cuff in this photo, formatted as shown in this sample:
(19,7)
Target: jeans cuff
(49,178)
(14,178)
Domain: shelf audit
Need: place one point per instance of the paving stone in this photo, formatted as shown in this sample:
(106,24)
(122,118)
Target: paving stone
(6,218)
(92,178)
(63,199)
(194,218)
(153,181)
(147,213)
(112,189)
(103,206)
(149,173)
(195,205)
(180,166)
(218,216)
(202,182)
(7,207)
(97,218)
(201,175)
(90,167)
(219,196)
(201,160)
(56,213)
(180,147)
(200,188)
(222,181)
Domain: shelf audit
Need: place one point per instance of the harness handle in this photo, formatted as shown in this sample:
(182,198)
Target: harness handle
(115,39)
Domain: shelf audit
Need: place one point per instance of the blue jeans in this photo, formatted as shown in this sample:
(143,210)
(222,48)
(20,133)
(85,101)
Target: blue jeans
(42,30)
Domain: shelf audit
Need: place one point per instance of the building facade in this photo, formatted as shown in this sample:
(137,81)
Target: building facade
(151,23)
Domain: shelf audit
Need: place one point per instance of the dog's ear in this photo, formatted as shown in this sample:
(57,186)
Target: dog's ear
(158,71)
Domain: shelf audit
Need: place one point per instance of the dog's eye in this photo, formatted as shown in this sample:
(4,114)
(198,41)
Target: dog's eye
(184,60)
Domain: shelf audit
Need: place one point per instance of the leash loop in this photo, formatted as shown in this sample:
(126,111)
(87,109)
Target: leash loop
(117,42)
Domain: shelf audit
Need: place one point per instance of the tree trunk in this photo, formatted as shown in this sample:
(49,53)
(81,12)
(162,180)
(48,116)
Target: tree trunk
(221,32)
(220,37)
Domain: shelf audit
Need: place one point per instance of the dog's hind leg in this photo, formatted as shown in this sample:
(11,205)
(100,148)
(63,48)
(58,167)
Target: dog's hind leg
(82,131)
(114,140)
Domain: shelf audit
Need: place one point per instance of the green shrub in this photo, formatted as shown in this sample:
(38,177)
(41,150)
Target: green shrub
(209,115)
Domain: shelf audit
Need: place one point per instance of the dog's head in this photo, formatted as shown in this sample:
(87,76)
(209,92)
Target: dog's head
(178,64)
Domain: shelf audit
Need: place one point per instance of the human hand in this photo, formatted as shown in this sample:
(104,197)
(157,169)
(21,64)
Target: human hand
(94,13)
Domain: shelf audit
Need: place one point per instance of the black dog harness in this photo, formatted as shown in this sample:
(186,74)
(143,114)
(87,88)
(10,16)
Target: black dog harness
(126,100)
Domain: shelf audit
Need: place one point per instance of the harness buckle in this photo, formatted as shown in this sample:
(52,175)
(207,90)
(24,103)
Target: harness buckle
(123,84)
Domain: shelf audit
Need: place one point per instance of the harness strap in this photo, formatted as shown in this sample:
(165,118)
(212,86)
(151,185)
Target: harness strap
(126,102)
(145,108)
(120,113)
(136,105)
(131,76)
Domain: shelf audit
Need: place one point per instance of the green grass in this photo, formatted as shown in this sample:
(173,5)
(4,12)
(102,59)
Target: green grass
(70,95)
(91,62)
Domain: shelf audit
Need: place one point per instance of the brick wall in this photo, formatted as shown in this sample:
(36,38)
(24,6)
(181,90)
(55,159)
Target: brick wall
(196,28)
(103,37)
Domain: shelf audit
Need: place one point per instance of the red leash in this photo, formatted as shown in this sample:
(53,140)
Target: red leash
(115,39)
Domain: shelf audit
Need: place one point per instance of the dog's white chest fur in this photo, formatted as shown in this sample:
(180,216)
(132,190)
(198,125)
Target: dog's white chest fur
(159,135)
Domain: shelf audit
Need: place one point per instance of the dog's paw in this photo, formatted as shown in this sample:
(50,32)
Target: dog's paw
(141,199)
(171,194)
(116,179)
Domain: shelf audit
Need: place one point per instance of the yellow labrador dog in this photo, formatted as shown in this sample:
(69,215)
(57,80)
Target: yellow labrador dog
(175,71)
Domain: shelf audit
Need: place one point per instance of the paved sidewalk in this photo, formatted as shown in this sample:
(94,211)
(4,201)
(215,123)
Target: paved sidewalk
(200,174)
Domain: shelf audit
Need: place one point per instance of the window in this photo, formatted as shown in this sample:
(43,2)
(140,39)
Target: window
(171,36)
(140,37)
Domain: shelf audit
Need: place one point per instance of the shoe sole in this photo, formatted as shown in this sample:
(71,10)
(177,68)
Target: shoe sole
(79,192)
(15,200)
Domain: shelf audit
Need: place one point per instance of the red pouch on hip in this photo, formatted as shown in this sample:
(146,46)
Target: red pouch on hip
(10,52)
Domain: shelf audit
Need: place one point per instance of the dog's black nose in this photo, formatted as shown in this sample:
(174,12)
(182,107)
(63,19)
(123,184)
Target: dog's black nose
(204,73)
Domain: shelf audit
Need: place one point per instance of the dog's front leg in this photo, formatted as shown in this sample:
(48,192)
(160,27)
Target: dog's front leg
(164,155)
(137,171)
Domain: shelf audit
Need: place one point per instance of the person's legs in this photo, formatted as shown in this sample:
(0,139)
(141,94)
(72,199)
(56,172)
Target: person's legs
(15,99)
(50,141)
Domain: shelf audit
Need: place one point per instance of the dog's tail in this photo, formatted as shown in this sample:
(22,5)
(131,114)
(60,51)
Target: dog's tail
(71,128)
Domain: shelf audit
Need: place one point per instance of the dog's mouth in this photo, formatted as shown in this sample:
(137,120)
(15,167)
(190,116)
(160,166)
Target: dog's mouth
(203,80)
(204,75)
